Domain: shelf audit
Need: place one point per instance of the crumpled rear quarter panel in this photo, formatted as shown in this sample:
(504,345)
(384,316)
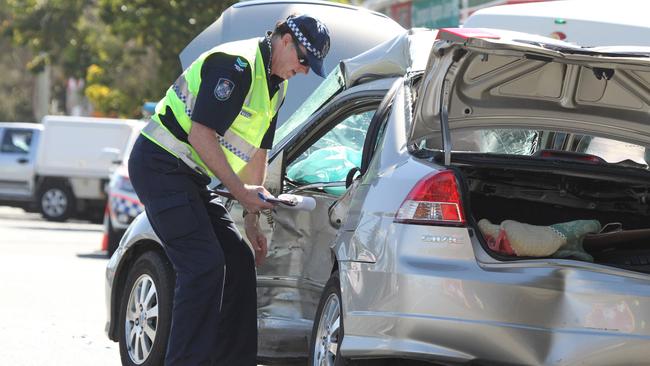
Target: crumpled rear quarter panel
(427,296)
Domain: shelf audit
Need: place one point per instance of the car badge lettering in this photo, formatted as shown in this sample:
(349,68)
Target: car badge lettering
(224,89)
(441,239)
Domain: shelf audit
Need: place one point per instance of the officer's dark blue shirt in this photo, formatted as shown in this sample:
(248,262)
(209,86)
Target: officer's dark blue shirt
(219,113)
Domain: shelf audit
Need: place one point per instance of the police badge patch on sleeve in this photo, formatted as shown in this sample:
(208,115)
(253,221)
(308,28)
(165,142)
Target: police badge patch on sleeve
(224,89)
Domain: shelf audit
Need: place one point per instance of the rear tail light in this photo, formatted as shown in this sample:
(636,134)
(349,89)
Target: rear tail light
(434,200)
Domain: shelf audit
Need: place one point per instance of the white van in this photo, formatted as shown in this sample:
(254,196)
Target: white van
(583,22)
(61,167)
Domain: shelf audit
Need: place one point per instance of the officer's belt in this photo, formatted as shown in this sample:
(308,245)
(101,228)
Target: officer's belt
(171,143)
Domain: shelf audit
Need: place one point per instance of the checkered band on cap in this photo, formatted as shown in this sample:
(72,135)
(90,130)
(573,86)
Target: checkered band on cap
(302,39)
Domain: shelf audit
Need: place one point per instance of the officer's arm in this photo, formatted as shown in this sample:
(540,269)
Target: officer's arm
(204,141)
(255,171)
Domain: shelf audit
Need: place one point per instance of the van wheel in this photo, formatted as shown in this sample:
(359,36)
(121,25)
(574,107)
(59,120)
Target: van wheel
(56,202)
(145,311)
(327,332)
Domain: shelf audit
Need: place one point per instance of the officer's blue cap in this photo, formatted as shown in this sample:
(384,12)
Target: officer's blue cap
(315,36)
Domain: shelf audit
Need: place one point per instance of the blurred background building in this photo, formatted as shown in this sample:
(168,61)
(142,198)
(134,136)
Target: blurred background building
(433,13)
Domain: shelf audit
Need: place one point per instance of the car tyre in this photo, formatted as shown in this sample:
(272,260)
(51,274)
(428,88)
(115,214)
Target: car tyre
(327,332)
(145,311)
(56,202)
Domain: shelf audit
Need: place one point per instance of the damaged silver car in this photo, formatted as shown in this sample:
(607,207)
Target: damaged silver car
(503,217)
(314,152)
(492,209)
(139,269)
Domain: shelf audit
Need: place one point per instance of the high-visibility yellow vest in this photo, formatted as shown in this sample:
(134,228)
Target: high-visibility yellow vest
(244,137)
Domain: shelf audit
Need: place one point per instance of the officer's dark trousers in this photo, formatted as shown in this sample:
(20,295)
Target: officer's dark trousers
(214,318)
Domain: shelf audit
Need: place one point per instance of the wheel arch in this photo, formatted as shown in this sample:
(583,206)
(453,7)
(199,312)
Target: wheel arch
(122,272)
(335,263)
(44,181)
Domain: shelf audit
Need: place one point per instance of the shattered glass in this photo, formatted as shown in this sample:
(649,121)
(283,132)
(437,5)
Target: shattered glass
(326,90)
(496,141)
(331,157)
(514,142)
(527,142)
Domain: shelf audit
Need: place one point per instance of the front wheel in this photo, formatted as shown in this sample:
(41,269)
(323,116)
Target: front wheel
(327,333)
(145,311)
(56,202)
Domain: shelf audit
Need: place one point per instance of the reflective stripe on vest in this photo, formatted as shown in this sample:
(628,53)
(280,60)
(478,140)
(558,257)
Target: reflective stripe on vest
(183,93)
(237,146)
(244,137)
(166,139)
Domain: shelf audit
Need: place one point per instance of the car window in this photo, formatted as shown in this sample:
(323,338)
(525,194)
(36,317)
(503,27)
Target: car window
(496,141)
(326,90)
(332,156)
(613,151)
(528,142)
(16,141)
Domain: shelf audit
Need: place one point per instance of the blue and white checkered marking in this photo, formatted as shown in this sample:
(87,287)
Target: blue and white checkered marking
(183,98)
(230,147)
(125,210)
(303,40)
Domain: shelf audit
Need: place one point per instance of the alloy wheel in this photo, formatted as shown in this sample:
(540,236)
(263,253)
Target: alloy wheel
(328,334)
(141,322)
(54,202)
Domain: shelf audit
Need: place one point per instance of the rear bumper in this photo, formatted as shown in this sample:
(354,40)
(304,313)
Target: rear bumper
(438,339)
(455,311)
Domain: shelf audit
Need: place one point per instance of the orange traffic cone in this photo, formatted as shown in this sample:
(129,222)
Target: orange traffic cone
(105,237)
(105,241)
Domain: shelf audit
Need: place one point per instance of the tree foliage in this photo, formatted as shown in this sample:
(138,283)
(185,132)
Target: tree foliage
(15,84)
(134,42)
(164,27)
(49,29)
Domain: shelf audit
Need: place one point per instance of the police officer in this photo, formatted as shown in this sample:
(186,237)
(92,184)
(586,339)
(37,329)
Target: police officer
(218,119)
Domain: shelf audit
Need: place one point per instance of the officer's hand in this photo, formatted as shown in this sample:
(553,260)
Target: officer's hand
(251,201)
(256,237)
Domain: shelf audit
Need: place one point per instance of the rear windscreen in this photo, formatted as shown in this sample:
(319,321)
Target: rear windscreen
(530,142)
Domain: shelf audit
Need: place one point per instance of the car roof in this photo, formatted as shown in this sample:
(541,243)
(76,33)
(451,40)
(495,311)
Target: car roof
(353,30)
(585,22)
(406,53)
(591,10)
